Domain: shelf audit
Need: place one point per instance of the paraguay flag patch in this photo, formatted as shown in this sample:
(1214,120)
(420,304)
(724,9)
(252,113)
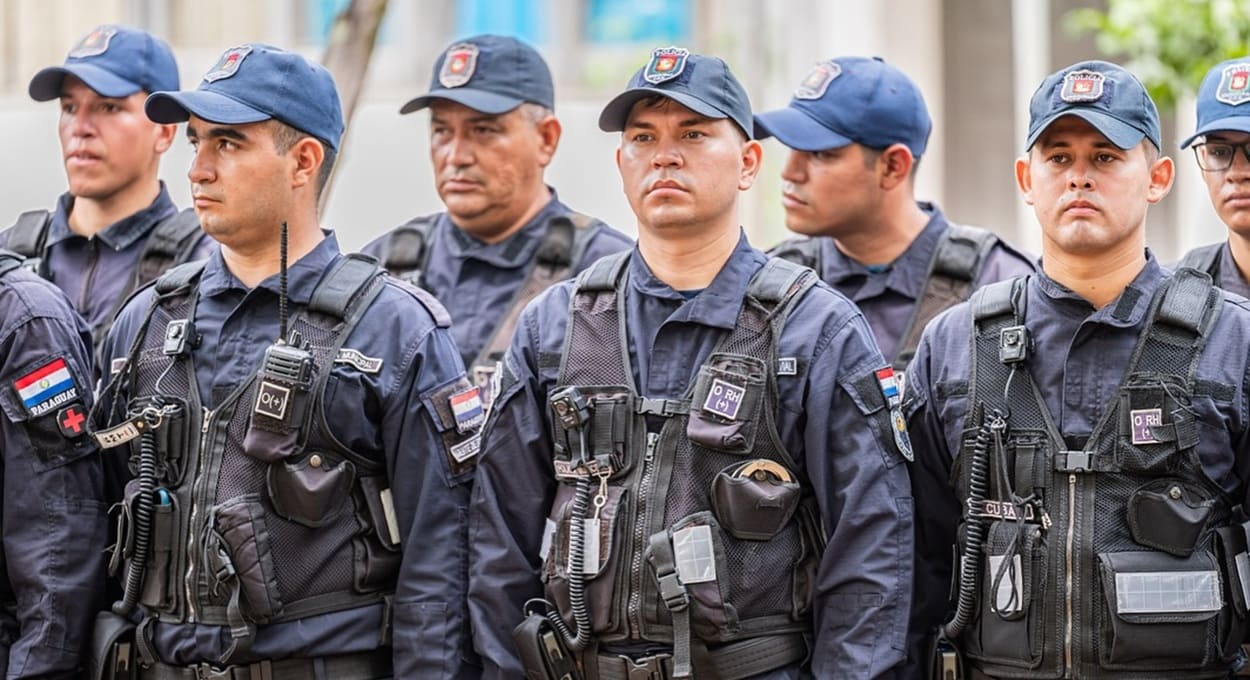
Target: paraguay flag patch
(889,386)
(466,406)
(46,387)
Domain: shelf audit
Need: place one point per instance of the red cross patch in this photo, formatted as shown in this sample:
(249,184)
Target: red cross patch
(72,420)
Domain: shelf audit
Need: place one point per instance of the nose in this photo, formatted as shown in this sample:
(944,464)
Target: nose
(82,123)
(666,155)
(201,171)
(1079,178)
(459,151)
(1239,171)
(795,169)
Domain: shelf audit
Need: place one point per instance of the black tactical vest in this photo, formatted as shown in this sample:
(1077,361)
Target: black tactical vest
(956,265)
(261,514)
(1114,557)
(707,527)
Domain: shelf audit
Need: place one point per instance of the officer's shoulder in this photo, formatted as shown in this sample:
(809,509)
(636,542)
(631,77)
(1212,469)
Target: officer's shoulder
(24,295)
(378,245)
(822,299)
(1236,306)
(408,303)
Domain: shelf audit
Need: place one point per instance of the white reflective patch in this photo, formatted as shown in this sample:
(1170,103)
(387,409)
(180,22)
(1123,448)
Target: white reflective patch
(1243,574)
(549,532)
(1158,592)
(696,559)
(590,557)
(388,509)
(1009,597)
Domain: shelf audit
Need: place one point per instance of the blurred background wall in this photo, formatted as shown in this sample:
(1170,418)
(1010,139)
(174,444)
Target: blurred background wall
(977,62)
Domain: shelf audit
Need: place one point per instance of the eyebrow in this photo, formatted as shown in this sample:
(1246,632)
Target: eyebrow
(483,118)
(217,133)
(685,123)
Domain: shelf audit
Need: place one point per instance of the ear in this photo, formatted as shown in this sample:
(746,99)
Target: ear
(549,130)
(1162,174)
(307,155)
(164,137)
(1024,177)
(895,164)
(752,159)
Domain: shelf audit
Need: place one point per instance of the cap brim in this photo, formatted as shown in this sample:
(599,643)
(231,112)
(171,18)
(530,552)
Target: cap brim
(613,117)
(1121,134)
(797,130)
(46,85)
(478,100)
(1229,124)
(178,107)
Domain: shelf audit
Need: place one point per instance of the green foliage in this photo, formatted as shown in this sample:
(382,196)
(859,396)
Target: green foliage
(1169,44)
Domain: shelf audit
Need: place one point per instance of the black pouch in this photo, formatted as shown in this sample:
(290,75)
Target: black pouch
(542,651)
(1154,426)
(1231,549)
(1169,515)
(244,536)
(173,436)
(601,581)
(724,408)
(377,547)
(699,553)
(1012,583)
(112,654)
(311,491)
(159,585)
(754,500)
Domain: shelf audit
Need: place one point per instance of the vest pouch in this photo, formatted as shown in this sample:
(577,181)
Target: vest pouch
(238,553)
(377,548)
(311,491)
(1168,515)
(603,563)
(609,428)
(1235,562)
(1160,613)
(1154,426)
(173,436)
(698,552)
(159,585)
(1012,590)
(724,408)
(754,500)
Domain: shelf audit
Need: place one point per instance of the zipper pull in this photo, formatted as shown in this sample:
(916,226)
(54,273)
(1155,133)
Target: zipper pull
(653,440)
(205,416)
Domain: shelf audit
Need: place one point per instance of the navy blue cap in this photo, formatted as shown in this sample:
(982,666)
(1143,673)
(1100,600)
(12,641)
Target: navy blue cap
(1102,94)
(255,82)
(700,83)
(489,73)
(114,61)
(851,99)
(1220,99)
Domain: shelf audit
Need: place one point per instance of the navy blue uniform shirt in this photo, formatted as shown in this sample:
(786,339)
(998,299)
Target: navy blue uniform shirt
(94,272)
(385,415)
(53,527)
(1080,358)
(477,281)
(888,296)
(864,580)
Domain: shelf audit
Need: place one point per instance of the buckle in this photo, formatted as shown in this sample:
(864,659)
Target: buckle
(1074,461)
(646,668)
(204,671)
(673,592)
(660,407)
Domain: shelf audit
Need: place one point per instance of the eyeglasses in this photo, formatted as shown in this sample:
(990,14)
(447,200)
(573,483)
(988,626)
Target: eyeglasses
(1219,156)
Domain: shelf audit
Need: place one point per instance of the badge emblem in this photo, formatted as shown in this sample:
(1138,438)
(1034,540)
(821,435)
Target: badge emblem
(458,65)
(787,366)
(466,449)
(1143,420)
(46,388)
(1082,86)
(228,64)
(724,399)
(1234,86)
(358,360)
(467,407)
(666,63)
(271,400)
(816,82)
(892,391)
(94,43)
(72,420)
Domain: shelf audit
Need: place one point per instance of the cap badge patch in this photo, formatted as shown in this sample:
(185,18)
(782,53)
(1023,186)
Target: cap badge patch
(458,65)
(1234,86)
(1082,86)
(94,43)
(228,64)
(666,63)
(816,82)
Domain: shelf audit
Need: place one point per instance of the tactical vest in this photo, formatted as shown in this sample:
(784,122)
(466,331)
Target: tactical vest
(953,270)
(171,242)
(261,514)
(1204,259)
(406,255)
(1114,557)
(705,530)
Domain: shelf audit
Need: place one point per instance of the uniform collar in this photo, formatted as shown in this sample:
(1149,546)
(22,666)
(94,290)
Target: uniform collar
(907,273)
(302,275)
(1126,311)
(718,304)
(515,251)
(1230,276)
(119,235)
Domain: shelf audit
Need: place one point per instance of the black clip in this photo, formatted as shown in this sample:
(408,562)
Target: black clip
(180,338)
(1013,344)
(1074,461)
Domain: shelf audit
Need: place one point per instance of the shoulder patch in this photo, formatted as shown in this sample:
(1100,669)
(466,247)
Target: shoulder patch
(46,387)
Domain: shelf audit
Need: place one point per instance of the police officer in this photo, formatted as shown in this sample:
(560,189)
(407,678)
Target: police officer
(505,236)
(116,228)
(54,514)
(303,437)
(1223,129)
(1081,433)
(692,458)
(857,128)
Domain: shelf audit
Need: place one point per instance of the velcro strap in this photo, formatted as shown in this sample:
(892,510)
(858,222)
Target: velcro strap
(960,254)
(337,289)
(1185,301)
(994,300)
(179,277)
(604,273)
(28,234)
(556,250)
(774,281)
(407,243)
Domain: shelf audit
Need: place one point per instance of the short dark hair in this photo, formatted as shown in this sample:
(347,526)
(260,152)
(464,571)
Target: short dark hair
(285,137)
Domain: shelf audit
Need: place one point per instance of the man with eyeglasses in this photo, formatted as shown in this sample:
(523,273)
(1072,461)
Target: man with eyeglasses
(1223,153)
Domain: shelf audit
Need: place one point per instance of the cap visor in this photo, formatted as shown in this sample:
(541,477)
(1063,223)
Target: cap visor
(1229,124)
(797,130)
(46,85)
(485,102)
(617,111)
(178,107)
(1121,134)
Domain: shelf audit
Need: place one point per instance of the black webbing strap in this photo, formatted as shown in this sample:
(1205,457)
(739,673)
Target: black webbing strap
(179,277)
(407,249)
(342,283)
(29,233)
(804,251)
(601,277)
(9,261)
(1204,259)
(774,282)
(171,242)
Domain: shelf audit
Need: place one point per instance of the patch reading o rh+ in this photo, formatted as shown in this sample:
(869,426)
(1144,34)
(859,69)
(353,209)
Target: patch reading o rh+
(724,399)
